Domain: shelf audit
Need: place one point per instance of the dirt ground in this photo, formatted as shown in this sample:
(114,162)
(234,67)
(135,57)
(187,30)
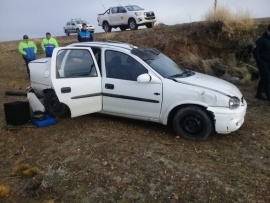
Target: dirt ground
(99,158)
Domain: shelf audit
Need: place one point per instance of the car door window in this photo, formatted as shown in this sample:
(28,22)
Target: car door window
(122,66)
(114,10)
(121,9)
(75,63)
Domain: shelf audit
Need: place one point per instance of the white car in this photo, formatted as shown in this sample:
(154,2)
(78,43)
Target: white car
(75,26)
(136,82)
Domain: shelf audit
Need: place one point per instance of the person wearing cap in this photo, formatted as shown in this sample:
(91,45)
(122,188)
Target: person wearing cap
(261,53)
(48,44)
(28,50)
(85,35)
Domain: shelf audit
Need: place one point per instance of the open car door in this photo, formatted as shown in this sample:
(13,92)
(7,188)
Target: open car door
(76,79)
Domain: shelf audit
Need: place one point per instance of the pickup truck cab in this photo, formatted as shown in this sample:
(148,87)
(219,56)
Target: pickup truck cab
(125,17)
(136,82)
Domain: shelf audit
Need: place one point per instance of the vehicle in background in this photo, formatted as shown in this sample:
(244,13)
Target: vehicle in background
(75,26)
(126,17)
(136,82)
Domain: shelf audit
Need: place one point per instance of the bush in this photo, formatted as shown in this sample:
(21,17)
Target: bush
(238,27)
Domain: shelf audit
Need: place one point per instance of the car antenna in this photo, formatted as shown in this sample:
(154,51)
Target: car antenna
(102,4)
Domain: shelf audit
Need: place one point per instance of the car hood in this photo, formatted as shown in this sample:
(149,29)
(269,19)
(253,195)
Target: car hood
(211,83)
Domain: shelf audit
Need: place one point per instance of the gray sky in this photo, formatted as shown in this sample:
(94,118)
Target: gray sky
(36,17)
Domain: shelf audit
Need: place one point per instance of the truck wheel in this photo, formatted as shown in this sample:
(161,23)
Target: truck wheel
(123,28)
(149,25)
(193,123)
(53,106)
(67,33)
(77,30)
(107,27)
(132,24)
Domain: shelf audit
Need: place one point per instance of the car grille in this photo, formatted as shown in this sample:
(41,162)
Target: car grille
(150,14)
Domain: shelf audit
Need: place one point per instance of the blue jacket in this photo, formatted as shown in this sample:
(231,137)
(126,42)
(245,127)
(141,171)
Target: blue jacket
(28,49)
(85,36)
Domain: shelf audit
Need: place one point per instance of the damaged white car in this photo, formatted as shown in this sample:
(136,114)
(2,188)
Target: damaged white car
(136,82)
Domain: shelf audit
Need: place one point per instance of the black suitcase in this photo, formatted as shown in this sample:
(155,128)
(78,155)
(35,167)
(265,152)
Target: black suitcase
(17,113)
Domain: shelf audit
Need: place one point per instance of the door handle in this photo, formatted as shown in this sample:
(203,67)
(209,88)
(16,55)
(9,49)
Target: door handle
(156,93)
(65,90)
(109,86)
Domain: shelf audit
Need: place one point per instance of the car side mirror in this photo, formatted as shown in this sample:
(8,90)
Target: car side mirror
(144,78)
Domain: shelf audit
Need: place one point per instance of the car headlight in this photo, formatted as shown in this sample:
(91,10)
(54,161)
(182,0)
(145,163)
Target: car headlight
(138,13)
(234,103)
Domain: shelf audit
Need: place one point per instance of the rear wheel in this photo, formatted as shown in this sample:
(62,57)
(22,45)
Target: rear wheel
(67,33)
(123,28)
(193,123)
(53,106)
(107,27)
(132,24)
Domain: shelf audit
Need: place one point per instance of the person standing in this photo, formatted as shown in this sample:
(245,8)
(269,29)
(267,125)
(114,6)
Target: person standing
(261,53)
(28,50)
(85,35)
(48,44)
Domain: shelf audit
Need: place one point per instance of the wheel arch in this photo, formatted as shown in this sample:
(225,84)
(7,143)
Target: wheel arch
(173,111)
(45,91)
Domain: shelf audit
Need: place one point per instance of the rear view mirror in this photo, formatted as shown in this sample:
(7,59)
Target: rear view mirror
(144,78)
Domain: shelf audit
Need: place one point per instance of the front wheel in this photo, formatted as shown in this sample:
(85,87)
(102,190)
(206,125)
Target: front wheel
(53,106)
(149,25)
(77,30)
(193,123)
(132,24)
(107,27)
(67,33)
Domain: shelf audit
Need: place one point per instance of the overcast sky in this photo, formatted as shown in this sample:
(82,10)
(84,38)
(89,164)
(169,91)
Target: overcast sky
(36,17)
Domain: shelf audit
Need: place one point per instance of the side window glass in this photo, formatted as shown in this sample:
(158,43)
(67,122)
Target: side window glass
(121,9)
(75,63)
(114,10)
(73,23)
(122,66)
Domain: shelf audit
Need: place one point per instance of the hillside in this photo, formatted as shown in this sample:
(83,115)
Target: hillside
(99,158)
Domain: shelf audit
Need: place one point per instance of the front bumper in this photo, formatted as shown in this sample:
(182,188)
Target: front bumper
(227,120)
(142,20)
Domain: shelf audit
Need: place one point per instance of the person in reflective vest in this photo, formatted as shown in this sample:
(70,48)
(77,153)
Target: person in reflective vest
(48,44)
(28,50)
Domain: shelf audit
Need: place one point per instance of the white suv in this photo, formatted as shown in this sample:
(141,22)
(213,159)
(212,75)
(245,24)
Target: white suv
(75,26)
(136,82)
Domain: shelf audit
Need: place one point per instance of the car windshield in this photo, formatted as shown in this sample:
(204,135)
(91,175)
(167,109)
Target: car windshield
(134,8)
(166,66)
(81,22)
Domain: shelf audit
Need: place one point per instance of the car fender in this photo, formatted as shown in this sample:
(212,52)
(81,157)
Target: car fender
(166,113)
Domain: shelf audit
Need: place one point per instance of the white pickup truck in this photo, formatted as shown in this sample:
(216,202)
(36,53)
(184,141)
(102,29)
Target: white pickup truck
(125,17)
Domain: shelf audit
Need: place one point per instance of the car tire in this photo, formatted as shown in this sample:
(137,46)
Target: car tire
(77,31)
(192,123)
(53,106)
(67,33)
(149,25)
(132,24)
(107,27)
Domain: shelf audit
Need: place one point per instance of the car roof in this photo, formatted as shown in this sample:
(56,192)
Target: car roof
(105,44)
(142,52)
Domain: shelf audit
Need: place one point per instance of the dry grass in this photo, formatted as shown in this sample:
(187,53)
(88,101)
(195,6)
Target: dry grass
(238,26)
(4,192)
(24,170)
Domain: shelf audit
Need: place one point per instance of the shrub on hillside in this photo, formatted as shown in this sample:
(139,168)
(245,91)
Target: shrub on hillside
(238,27)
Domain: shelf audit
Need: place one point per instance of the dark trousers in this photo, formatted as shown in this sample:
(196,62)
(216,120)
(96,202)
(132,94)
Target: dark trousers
(264,82)
(26,63)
